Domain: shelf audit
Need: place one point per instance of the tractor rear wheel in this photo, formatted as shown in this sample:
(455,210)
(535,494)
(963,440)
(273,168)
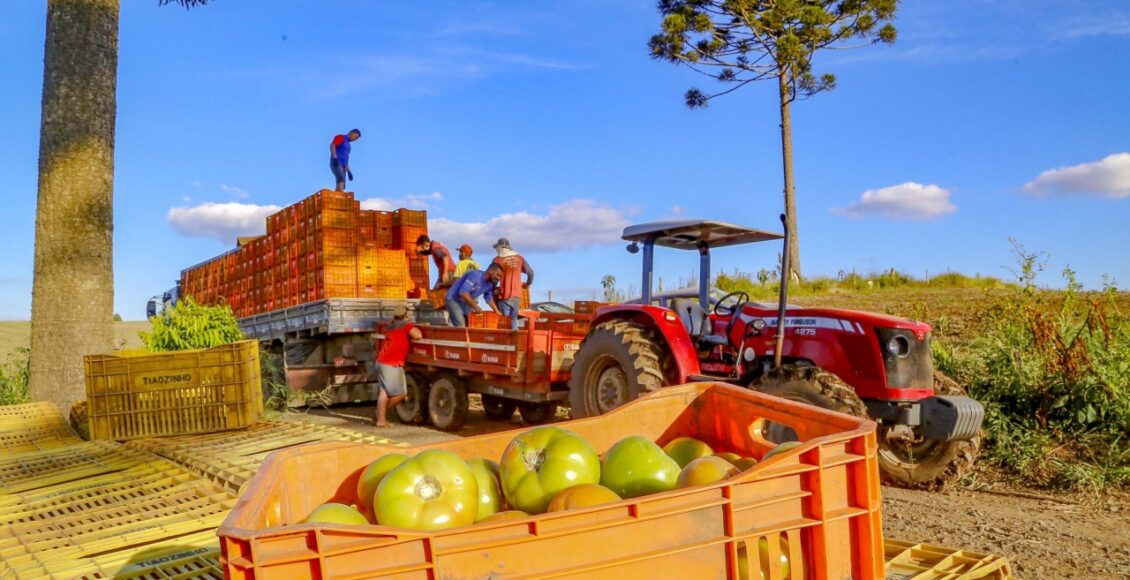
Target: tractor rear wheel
(919,463)
(617,362)
(413,410)
(498,408)
(811,385)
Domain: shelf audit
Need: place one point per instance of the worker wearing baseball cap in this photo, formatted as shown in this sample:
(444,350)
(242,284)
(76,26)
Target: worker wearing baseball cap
(466,263)
(509,288)
(388,370)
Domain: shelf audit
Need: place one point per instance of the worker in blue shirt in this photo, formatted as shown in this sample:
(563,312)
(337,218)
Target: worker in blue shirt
(339,157)
(463,296)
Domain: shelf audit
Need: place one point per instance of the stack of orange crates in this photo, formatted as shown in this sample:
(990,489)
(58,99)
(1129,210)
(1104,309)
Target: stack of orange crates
(324,246)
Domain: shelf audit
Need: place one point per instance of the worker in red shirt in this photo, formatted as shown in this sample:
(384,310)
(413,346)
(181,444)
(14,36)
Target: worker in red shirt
(441,256)
(508,291)
(389,368)
(339,157)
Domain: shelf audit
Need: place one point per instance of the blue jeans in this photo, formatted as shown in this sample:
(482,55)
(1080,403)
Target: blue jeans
(509,307)
(456,313)
(338,170)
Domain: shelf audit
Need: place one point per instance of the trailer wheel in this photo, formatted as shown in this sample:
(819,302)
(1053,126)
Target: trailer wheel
(498,408)
(413,410)
(447,403)
(617,362)
(537,413)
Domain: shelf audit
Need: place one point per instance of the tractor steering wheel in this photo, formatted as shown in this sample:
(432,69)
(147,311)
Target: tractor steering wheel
(741,298)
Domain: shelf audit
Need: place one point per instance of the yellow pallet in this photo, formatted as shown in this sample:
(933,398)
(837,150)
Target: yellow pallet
(153,476)
(95,528)
(12,413)
(910,561)
(30,470)
(192,557)
(230,461)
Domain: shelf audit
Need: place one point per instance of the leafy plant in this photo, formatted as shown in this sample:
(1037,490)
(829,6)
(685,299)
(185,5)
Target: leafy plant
(14,374)
(1053,369)
(189,325)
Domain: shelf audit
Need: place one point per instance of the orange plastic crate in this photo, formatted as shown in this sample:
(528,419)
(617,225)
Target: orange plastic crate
(823,497)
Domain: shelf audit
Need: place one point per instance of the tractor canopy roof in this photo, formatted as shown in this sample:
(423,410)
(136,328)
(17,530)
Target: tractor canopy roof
(688,234)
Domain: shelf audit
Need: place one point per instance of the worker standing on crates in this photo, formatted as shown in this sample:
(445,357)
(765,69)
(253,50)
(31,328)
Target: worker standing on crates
(426,246)
(509,292)
(339,157)
(392,385)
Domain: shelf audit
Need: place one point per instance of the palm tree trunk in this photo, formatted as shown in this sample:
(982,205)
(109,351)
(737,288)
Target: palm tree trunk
(790,185)
(73,289)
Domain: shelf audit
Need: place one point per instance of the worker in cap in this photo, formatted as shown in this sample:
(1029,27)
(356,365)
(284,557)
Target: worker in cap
(466,263)
(508,292)
(392,346)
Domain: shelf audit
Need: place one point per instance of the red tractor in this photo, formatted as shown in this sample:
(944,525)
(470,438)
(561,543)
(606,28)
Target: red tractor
(859,363)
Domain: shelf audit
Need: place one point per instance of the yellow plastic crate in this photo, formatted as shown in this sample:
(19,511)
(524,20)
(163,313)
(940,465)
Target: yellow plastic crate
(33,427)
(173,393)
(31,470)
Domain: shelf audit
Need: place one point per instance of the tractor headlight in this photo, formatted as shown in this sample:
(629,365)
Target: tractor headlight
(898,345)
(758,324)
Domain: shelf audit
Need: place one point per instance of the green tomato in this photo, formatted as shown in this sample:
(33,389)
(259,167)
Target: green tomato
(490,491)
(636,466)
(336,513)
(372,476)
(785,569)
(686,449)
(780,448)
(542,462)
(431,491)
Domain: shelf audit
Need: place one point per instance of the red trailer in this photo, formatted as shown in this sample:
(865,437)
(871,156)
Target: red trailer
(526,369)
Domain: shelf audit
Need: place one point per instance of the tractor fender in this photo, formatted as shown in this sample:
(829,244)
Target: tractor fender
(676,342)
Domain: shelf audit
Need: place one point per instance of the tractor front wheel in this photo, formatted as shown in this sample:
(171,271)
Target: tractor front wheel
(617,362)
(811,385)
(918,463)
(498,408)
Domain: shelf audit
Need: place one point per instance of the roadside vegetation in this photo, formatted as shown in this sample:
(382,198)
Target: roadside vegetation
(1052,367)
(1053,370)
(189,325)
(14,378)
(764,284)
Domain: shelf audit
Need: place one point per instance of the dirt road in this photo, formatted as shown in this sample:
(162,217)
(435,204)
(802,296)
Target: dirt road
(1060,537)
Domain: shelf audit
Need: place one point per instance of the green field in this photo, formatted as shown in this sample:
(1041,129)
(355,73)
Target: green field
(17,334)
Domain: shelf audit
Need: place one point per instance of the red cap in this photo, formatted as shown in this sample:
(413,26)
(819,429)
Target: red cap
(466,247)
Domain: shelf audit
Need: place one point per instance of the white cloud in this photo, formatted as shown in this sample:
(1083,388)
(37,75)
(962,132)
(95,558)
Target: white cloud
(411,201)
(235,192)
(909,200)
(221,221)
(570,225)
(1094,25)
(1107,178)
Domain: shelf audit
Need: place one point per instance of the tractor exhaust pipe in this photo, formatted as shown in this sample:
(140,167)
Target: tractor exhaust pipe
(784,297)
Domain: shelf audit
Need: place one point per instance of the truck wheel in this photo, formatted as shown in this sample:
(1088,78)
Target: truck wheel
(447,403)
(537,413)
(617,362)
(811,385)
(413,410)
(498,408)
(926,464)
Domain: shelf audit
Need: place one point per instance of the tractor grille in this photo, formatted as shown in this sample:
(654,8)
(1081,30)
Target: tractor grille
(915,369)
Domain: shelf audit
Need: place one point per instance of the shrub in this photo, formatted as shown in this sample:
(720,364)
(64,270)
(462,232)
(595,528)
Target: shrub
(189,325)
(14,378)
(1053,369)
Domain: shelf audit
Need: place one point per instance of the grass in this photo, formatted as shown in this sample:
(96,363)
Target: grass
(17,334)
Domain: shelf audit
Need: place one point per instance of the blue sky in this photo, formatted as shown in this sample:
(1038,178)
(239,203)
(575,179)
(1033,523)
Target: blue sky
(548,122)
